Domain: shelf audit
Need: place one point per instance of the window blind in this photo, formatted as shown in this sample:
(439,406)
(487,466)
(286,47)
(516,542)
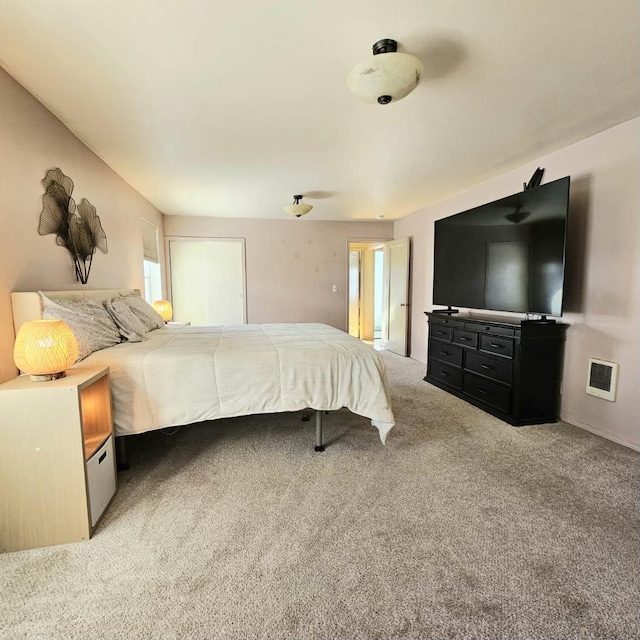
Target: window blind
(150,242)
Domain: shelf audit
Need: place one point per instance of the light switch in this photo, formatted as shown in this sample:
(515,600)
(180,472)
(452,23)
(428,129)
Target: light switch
(334,288)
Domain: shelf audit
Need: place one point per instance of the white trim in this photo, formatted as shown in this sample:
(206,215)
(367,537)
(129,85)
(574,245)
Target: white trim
(574,422)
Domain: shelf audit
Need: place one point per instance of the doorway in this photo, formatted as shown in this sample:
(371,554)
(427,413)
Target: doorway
(366,291)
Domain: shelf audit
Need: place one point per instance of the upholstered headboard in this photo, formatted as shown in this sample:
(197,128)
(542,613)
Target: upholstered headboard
(27,305)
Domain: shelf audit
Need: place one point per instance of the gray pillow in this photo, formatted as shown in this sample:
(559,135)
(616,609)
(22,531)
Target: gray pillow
(131,327)
(92,326)
(145,312)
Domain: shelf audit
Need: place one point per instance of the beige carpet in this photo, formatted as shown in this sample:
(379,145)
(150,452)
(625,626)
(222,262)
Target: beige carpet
(460,527)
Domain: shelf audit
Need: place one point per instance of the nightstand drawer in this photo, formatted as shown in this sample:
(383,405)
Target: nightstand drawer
(101,479)
(446,353)
(499,346)
(490,393)
(490,367)
(445,373)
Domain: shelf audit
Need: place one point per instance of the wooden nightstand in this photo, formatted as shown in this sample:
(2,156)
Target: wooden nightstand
(57,462)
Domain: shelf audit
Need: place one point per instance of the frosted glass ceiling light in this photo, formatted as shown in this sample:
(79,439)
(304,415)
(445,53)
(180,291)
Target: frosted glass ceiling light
(386,77)
(298,208)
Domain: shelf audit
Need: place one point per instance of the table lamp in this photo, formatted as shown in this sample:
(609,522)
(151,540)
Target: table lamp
(163,307)
(45,349)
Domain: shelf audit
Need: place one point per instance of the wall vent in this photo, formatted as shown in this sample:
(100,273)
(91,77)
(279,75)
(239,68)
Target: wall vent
(602,378)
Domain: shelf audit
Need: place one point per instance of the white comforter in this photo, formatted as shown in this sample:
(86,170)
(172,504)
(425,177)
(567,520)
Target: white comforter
(181,375)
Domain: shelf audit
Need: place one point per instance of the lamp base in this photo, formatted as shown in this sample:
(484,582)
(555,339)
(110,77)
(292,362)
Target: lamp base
(47,376)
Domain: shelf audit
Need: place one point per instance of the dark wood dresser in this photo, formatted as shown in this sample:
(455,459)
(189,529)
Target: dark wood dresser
(509,368)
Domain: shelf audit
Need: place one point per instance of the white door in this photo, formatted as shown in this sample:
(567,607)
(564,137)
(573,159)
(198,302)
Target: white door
(208,280)
(354,293)
(398,255)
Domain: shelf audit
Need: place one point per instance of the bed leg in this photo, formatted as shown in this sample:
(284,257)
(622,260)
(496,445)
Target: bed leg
(121,454)
(306,415)
(319,445)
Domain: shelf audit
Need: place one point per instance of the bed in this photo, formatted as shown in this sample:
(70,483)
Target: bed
(182,375)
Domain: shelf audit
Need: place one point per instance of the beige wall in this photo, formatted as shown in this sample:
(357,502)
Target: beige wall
(32,141)
(291,264)
(602,287)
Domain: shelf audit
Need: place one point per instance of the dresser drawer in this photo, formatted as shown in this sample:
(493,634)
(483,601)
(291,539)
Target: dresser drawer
(465,338)
(490,367)
(497,345)
(447,353)
(445,373)
(440,332)
(488,328)
(490,393)
(446,321)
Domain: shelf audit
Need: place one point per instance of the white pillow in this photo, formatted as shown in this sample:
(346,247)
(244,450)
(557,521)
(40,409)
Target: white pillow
(92,326)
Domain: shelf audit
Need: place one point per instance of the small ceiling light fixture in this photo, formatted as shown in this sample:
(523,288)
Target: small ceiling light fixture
(298,208)
(518,215)
(388,76)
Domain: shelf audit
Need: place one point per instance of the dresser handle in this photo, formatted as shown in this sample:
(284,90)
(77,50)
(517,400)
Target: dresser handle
(444,374)
(445,353)
(486,366)
(482,392)
(464,339)
(496,345)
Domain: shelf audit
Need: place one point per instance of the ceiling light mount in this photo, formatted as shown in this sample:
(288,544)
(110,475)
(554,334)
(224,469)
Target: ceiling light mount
(386,45)
(388,76)
(298,208)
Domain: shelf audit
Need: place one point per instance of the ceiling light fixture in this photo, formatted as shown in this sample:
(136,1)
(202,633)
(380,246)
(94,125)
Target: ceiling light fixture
(388,76)
(298,208)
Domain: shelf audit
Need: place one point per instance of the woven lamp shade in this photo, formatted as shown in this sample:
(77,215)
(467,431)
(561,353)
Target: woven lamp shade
(45,348)
(163,307)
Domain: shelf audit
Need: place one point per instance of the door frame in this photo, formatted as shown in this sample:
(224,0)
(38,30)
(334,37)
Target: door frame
(407,303)
(242,241)
(349,241)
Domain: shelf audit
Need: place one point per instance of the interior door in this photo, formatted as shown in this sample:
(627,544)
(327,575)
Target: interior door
(354,293)
(398,259)
(208,280)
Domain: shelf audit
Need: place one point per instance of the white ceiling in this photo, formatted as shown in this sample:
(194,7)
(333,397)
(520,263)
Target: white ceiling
(230,108)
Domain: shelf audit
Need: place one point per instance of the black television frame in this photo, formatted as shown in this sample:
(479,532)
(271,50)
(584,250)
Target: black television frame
(550,203)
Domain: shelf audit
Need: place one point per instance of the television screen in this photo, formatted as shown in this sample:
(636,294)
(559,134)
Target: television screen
(507,255)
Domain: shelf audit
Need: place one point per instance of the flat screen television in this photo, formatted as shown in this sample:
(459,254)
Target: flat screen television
(506,255)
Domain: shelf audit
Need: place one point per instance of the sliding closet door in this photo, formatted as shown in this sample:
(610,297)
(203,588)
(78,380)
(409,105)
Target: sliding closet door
(208,280)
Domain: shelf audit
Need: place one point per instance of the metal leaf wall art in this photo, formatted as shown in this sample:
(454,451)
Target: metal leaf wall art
(77,228)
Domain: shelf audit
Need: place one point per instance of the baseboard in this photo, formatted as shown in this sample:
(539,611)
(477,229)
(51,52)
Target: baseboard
(603,434)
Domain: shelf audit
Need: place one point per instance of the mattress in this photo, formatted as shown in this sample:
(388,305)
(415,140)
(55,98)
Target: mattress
(186,374)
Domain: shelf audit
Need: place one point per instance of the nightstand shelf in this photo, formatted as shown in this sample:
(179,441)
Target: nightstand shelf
(57,462)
